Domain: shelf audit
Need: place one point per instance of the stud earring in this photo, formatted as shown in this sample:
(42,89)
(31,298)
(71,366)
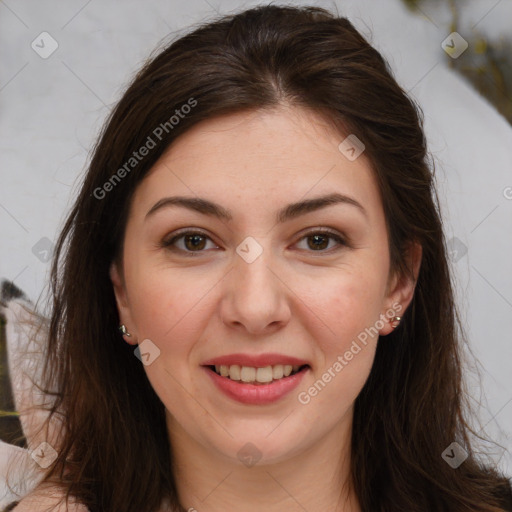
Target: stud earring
(395,321)
(123,330)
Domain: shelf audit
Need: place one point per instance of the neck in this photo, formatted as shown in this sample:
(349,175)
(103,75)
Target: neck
(314,479)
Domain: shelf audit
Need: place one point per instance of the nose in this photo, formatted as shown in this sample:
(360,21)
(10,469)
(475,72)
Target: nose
(256,298)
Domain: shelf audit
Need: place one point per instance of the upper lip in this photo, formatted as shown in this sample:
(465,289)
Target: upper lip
(256,361)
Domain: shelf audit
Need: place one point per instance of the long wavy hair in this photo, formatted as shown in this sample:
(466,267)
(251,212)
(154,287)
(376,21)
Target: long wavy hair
(114,454)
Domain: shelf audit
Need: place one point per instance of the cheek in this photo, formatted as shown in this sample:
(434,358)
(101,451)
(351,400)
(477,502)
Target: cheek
(351,310)
(162,299)
(165,310)
(347,304)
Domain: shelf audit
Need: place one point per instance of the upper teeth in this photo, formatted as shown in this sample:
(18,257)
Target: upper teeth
(250,374)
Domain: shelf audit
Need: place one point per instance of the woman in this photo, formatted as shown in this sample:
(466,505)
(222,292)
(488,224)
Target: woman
(259,211)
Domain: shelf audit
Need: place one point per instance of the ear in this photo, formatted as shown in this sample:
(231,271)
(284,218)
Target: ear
(401,288)
(123,307)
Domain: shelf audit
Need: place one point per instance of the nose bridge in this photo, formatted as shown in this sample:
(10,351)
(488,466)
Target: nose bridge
(256,297)
(252,271)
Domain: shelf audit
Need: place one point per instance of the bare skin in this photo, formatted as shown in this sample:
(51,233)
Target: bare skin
(293,299)
(48,498)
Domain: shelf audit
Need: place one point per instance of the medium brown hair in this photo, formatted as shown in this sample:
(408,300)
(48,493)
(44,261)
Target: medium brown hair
(115,454)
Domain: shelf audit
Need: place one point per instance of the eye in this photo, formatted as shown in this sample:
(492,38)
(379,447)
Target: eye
(193,241)
(320,240)
(196,241)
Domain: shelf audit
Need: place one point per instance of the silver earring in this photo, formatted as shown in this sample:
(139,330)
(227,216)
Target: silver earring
(395,321)
(123,330)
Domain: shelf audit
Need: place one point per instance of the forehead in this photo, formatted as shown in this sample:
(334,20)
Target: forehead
(268,155)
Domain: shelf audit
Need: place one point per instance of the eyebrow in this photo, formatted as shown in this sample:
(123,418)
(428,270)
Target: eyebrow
(289,212)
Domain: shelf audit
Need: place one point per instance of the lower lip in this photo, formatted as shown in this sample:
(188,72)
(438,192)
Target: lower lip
(256,394)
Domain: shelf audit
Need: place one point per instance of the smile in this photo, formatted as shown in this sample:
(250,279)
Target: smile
(249,374)
(243,383)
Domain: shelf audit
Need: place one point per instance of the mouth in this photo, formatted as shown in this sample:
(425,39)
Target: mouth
(257,376)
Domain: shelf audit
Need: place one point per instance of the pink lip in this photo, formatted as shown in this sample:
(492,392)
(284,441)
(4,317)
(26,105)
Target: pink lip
(255,361)
(256,394)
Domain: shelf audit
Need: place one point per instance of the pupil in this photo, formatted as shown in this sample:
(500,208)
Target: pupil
(316,238)
(195,241)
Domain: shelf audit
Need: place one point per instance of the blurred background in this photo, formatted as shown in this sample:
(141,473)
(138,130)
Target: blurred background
(487,61)
(63,65)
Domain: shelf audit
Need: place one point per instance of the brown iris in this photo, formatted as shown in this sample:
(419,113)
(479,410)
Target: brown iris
(195,241)
(316,238)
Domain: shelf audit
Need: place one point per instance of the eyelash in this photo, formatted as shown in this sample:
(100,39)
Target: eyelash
(168,243)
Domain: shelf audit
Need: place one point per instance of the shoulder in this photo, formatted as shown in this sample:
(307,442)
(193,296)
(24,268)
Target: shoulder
(47,499)
(41,506)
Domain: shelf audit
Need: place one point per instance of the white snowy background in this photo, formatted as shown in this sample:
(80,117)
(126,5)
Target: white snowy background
(52,109)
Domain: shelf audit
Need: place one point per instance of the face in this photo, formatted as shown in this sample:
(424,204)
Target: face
(264,285)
